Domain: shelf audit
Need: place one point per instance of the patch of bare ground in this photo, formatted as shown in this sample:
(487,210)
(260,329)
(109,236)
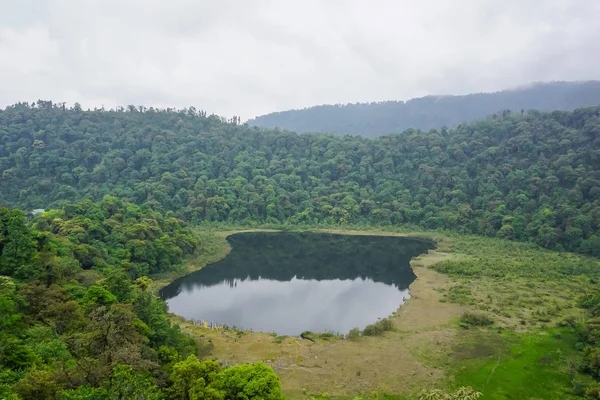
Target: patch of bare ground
(424,310)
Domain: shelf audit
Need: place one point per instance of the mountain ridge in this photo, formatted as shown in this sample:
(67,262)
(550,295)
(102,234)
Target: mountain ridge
(432,111)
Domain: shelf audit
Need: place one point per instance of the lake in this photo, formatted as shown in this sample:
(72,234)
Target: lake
(291,282)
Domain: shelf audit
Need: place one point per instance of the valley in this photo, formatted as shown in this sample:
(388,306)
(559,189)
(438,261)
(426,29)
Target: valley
(430,345)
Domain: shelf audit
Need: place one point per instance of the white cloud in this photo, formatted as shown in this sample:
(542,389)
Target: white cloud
(252,57)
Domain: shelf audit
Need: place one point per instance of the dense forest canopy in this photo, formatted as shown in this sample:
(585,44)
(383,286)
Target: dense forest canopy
(532,177)
(431,112)
(78,320)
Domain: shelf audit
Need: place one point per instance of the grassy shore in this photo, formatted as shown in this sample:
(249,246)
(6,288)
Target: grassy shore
(523,290)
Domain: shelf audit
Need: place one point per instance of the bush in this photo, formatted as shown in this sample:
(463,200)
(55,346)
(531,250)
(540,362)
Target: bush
(459,294)
(354,334)
(328,336)
(378,327)
(470,319)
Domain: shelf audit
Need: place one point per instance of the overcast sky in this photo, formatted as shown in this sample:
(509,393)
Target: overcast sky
(251,57)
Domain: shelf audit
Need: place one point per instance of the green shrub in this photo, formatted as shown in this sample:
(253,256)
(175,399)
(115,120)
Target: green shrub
(328,336)
(459,294)
(468,320)
(378,327)
(278,339)
(354,334)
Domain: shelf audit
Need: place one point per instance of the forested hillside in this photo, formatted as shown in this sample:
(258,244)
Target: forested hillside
(531,177)
(431,112)
(78,320)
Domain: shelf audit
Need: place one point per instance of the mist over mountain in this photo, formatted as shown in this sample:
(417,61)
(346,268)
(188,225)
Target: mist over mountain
(431,112)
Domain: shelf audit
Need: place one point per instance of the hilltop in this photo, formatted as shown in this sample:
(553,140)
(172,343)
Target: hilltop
(431,112)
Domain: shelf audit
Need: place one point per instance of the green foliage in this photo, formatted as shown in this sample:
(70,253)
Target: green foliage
(469,319)
(329,336)
(70,333)
(17,245)
(193,379)
(459,294)
(124,383)
(528,177)
(118,282)
(589,334)
(354,334)
(153,312)
(279,339)
(14,354)
(8,311)
(462,393)
(246,382)
(44,342)
(98,296)
(37,384)
(483,257)
(135,240)
(84,393)
(7,379)
(378,327)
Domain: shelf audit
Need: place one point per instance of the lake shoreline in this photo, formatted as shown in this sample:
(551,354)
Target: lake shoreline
(427,345)
(343,281)
(220,248)
(306,367)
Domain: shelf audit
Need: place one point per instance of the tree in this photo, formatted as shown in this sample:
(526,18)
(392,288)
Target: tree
(97,296)
(37,385)
(191,378)
(124,384)
(119,284)
(8,309)
(506,232)
(247,382)
(116,336)
(63,326)
(49,305)
(591,246)
(14,354)
(17,244)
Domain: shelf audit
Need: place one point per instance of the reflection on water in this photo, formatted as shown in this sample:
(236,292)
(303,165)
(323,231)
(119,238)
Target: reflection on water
(292,282)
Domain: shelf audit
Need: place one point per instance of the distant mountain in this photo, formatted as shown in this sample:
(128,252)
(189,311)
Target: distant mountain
(425,113)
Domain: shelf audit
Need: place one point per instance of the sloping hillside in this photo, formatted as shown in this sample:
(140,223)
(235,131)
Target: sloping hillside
(431,112)
(532,177)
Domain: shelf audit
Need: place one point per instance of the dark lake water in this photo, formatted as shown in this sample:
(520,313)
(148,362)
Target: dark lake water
(293,282)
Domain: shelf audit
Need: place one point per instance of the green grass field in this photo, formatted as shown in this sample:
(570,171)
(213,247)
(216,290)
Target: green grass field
(521,366)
